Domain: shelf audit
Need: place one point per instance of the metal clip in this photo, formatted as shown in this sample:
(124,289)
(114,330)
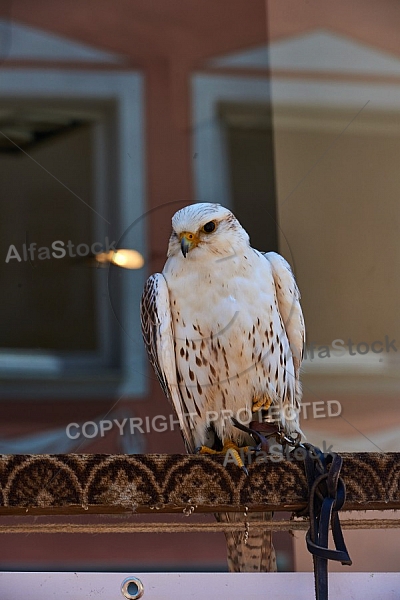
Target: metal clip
(245,537)
(189,510)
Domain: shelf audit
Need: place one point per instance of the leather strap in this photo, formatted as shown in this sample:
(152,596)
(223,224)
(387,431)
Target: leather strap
(327,496)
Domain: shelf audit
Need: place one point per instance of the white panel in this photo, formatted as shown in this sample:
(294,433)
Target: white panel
(197,586)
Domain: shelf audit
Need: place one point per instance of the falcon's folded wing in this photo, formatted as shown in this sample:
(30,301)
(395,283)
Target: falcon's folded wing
(288,297)
(157,329)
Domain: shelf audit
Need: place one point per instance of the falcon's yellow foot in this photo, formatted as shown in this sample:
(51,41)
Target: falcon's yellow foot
(261,402)
(234,451)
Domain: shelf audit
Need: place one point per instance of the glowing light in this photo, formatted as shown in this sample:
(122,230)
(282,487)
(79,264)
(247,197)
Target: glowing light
(128,259)
(119,259)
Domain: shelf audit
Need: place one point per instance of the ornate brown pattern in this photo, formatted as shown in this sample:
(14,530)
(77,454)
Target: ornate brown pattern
(119,483)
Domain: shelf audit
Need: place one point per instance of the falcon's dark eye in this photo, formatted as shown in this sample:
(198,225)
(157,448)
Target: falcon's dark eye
(209,227)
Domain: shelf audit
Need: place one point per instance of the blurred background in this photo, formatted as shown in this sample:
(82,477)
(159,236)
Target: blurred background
(113,115)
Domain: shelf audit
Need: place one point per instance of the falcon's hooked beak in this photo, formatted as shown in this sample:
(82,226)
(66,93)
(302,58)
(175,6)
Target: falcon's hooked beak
(188,241)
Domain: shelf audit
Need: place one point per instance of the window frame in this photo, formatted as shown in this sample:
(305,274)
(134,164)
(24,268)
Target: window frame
(209,91)
(118,153)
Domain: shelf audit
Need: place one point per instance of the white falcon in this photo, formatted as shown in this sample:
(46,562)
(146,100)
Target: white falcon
(223,329)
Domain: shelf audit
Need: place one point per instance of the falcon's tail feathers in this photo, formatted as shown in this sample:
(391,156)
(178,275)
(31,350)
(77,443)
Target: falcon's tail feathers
(257,553)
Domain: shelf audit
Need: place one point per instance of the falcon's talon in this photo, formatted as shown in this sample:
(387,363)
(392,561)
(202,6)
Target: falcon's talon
(206,450)
(236,452)
(261,403)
